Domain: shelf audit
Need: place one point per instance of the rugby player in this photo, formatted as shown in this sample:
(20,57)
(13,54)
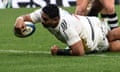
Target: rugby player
(81,34)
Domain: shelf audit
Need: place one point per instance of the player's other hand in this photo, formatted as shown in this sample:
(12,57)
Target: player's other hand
(54,50)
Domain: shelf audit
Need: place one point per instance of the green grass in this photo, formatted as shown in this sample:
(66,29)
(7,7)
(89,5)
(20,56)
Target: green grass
(42,40)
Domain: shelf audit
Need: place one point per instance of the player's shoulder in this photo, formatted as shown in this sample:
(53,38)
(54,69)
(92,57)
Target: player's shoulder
(63,12)
(36,15)
(37,10)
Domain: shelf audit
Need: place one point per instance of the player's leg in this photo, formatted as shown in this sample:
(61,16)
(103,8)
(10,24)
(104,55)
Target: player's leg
(114,39)
(95,9)
(81,7)
(114,34)
(109,13)
(114,46)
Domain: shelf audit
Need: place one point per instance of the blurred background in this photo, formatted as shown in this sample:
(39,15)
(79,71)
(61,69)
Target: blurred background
(38,3)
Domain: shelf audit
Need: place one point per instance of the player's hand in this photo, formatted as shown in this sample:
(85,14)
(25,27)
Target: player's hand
(54,50)
(19,25)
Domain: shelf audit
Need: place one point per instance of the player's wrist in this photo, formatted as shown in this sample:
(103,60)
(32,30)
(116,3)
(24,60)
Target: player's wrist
(56,51)
(63,52)
(20,19)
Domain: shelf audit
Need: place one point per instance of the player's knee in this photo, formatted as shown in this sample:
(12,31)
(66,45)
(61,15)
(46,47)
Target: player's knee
(110,10)
(81,10)
(110,36)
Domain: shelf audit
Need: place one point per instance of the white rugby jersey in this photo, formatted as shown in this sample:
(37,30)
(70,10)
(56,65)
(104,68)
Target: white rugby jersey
(73,28)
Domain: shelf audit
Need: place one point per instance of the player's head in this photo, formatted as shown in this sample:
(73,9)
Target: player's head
(51,10)
(50,15)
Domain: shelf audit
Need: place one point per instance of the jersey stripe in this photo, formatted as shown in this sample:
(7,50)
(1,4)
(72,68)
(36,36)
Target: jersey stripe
(93,35)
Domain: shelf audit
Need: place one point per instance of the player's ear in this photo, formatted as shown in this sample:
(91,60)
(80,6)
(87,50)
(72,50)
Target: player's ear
(56,19)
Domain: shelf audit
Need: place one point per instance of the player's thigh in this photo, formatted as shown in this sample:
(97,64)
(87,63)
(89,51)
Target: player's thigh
(81,7)
(82,4)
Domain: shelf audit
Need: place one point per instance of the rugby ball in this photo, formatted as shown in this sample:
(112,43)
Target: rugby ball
(28,31)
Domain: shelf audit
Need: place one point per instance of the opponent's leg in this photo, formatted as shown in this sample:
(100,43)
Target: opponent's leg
(81,7)
(109,13)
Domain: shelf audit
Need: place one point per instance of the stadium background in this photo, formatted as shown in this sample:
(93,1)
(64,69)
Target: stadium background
(38,3)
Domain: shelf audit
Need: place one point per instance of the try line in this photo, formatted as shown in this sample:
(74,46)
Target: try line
(23,51)
(48,52)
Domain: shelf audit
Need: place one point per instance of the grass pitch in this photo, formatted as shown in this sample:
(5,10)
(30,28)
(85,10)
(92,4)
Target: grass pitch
(32,54)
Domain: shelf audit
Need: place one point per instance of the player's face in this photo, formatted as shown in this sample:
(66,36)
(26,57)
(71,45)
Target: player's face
(48,22)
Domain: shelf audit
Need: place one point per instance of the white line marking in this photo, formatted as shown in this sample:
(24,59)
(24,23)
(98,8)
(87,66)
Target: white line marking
(48,52)
(103,55)
(23,51)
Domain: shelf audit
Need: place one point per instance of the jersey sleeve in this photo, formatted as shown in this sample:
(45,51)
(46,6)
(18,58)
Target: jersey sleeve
(71,36)
(68,29)
(36,16)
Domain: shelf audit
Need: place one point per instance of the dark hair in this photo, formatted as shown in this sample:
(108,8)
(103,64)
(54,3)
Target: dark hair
(51,10)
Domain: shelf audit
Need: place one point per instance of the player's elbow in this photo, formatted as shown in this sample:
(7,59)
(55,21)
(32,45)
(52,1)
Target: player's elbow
(78,49)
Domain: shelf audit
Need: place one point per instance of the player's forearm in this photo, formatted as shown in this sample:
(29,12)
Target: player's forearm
(67,52)
(76,49)
(27,18)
